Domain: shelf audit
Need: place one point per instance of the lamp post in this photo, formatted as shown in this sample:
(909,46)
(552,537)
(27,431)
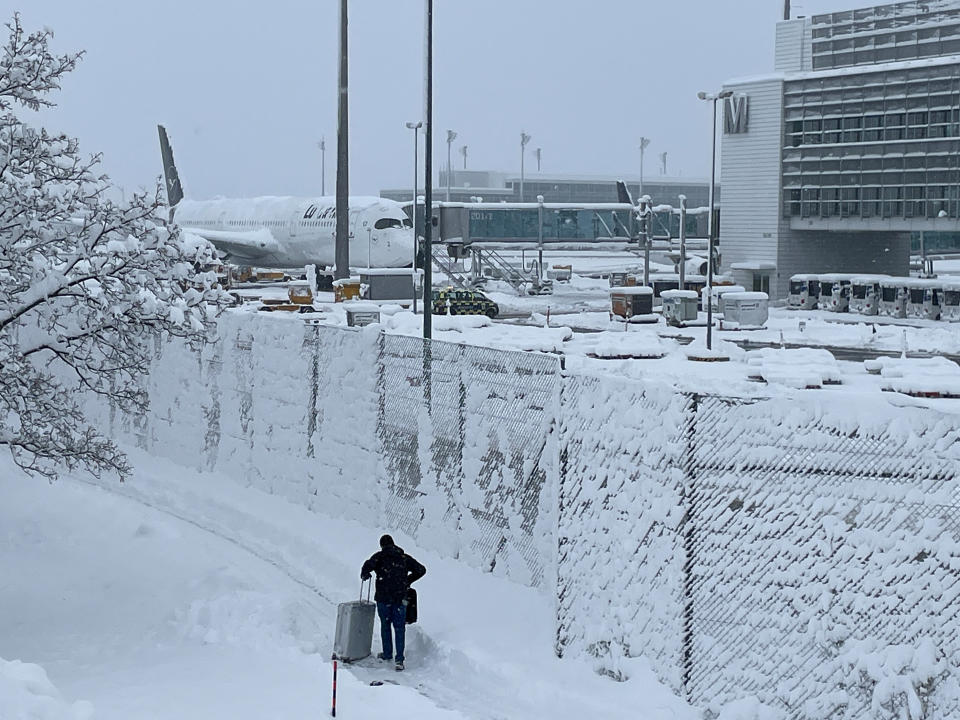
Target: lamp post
(463,151)
(451,136)
(538,151)
(323,165)
(428,188)
(342,243)
(415,126)
(524,139)
(710,229)
(644,142)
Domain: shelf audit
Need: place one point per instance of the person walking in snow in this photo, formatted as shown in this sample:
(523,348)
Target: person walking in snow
(396,571)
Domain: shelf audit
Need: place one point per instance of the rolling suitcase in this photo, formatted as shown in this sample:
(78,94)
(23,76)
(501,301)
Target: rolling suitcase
(354,634)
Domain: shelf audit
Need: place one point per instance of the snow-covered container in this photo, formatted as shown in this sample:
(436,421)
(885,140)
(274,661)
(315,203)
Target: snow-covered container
(361,314)
(804,292)
(718,292)
(388,283)
(865,294)
(923,298)
(950,303)
(633,304)
(835,291)
(893,297)
(679,306)
(745,310)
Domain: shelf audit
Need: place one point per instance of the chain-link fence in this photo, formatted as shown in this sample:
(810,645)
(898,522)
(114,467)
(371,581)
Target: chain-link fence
(465,433)
(805,551)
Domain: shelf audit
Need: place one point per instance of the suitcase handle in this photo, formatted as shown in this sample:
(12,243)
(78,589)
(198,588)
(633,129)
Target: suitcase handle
(369,587)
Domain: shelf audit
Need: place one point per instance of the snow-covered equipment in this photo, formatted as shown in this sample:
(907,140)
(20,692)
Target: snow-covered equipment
(633,304)
(804,292)
(893,297)
(361,314)
(300,293)
(923,298)
(679,306)
(950,303)
(346,289)
(354,634)
(865,294)
(718,292)
(745,310)
(835,291)
(393,284)
(560,273)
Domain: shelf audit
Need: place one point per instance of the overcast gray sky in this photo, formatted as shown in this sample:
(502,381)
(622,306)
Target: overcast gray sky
(247,89)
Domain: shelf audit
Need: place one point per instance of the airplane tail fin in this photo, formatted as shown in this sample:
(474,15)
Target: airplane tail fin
(172,177)
(623,194)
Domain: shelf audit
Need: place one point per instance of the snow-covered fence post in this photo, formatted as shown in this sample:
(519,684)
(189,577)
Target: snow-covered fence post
(687,529)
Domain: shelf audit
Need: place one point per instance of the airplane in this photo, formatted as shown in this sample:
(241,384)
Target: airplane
(290,232)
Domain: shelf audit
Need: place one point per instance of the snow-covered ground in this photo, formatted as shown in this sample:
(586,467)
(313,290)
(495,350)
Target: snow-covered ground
(182,595)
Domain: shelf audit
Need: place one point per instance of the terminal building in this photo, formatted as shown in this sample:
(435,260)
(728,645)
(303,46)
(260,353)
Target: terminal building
(467,185)
(849,149)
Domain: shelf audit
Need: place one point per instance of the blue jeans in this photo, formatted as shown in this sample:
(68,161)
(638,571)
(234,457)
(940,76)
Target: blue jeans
(395,615)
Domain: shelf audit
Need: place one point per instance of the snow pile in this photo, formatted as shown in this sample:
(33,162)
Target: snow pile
(796,368)
(935,376)
(26,693)
(624,345)
(719,350)
(750,708)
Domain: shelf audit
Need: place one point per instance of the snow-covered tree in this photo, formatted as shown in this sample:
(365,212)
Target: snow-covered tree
(86,285)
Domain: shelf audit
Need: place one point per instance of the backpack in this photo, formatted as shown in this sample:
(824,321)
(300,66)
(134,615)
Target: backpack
(411,602)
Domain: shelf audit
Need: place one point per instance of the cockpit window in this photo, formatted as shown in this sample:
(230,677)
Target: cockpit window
(407,222)
(384,223)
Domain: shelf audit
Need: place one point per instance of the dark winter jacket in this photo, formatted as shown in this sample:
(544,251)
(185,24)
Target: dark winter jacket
(395,570)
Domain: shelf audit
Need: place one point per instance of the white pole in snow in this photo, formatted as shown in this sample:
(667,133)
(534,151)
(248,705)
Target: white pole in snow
(710,229)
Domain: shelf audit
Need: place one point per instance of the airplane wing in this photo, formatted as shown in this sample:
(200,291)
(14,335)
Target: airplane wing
(249,245)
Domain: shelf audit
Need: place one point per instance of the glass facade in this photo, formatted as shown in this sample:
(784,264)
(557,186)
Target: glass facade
(877,144)
(886,33)
(558,225)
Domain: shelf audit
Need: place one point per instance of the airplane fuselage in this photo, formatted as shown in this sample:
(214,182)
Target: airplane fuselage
(288,232)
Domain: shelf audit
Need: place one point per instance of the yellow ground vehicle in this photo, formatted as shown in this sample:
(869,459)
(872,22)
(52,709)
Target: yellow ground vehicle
(457,301)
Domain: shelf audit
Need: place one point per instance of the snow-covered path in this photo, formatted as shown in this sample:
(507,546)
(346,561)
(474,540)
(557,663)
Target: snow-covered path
(182,595)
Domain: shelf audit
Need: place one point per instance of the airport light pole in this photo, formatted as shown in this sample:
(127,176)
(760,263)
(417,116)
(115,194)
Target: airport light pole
(428,187)
(463,151)
(451,136)
(644,142)
(415,126)
(342,242)
(712,98)
(538,151)
(524,139)
(323,165)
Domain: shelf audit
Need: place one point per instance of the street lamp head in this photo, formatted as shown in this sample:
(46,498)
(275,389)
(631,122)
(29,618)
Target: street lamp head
(414,125)
(451,136)
(524,139)
(702,95)
(644,143)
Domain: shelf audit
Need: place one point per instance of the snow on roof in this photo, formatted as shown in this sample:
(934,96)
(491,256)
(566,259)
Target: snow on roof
(754,266)
(668,294)
(384,271)
(745,296)
(638,290)
(867,279)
